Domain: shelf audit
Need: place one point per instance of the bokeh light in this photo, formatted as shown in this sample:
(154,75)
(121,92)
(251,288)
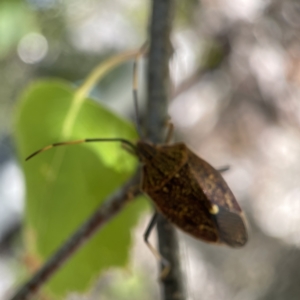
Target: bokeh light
(32,48)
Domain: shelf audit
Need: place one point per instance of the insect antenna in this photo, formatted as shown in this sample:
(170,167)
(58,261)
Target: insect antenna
(135,97)
(76,142)
(135,88)
(123,141)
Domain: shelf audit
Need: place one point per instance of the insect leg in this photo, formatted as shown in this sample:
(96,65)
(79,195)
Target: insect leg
(169,132)
(163,261)
(223,169)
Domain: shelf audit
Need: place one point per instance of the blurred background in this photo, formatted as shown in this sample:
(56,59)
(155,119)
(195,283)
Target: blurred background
(236,77)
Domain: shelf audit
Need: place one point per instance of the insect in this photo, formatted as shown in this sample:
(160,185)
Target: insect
(187,190)
(184,188)
(191,194)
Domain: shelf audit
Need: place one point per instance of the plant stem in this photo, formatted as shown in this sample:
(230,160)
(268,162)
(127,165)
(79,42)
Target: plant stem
(158,94)
(100,217)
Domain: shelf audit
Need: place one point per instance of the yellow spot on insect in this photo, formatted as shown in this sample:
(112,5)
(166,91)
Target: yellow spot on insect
(177,175)
(165,190)
(204,228)
(214,209)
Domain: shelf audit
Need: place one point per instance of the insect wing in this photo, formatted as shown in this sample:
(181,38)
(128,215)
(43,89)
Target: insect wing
(231,227)
(222,204)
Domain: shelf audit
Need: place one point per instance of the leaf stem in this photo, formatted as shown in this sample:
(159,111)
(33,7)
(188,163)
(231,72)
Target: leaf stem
(81,93)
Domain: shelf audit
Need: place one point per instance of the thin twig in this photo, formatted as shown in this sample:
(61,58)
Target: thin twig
(158,92)
(103,214)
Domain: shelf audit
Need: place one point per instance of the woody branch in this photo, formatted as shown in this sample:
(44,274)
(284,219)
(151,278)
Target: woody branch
(158,94)
(100,217)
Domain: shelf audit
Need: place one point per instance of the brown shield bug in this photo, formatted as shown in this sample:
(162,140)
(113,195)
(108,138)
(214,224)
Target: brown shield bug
(187,190)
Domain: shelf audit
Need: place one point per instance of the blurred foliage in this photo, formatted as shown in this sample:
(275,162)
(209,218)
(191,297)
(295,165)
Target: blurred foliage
(184,11)
(65,185)
(16,20)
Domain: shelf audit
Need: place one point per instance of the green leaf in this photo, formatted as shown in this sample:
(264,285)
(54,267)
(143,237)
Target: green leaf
(65,184)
